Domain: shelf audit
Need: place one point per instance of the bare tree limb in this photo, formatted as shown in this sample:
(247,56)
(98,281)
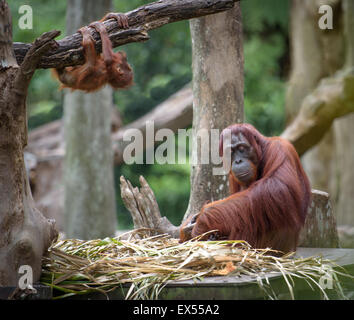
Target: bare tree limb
(41,45)
(144,209)
(141,20)
(333,98)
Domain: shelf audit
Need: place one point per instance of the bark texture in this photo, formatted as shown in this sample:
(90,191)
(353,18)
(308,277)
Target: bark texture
(320,229)
(333,98)
(327,101)
(144,209)
(89,205)
(315,55)
(343,188)
(217,95)
(25,234)
(141,20)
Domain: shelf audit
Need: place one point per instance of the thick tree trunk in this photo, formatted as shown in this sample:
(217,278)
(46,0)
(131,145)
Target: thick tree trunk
(24,233)
(344,139)
(325,49)
(320,229)
(329,164)
(316,54)
(218,95)
(89,205)
(343,177)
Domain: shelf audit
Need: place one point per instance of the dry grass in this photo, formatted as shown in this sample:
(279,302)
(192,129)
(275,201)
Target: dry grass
(149,263)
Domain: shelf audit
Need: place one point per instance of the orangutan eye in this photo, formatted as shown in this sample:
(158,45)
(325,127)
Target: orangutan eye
(241,149)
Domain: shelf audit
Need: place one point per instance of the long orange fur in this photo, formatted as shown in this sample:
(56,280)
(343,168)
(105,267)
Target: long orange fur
(272,210)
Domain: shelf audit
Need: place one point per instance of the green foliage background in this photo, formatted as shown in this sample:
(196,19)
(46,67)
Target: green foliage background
(161,67)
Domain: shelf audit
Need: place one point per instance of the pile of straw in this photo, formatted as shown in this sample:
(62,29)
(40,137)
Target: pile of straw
(149,263)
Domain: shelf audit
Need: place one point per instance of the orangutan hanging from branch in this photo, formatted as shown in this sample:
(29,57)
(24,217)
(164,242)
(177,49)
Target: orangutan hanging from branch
(99,69)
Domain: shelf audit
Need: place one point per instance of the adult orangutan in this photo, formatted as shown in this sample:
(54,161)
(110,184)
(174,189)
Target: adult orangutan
(270,194)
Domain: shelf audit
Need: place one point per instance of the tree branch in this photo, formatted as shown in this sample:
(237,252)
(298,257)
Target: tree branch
(333,98)
(141,20)
(144,209)
(42,45)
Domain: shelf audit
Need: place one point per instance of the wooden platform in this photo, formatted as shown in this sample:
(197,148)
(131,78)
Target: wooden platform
(241,288)
(232,288)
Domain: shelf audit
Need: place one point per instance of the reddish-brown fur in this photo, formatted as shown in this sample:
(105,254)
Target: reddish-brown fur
(98,70)
(272,210)
(90,76)
(119,72)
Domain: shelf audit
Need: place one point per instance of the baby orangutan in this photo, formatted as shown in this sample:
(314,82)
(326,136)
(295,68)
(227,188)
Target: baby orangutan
(98,70)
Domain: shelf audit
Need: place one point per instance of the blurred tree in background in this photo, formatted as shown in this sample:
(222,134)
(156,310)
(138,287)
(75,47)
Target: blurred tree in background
(161,67)
(266,51)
